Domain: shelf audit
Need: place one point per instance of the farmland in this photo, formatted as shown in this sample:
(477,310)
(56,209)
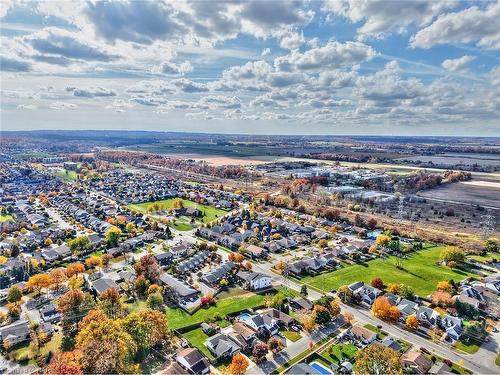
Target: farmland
(419,271)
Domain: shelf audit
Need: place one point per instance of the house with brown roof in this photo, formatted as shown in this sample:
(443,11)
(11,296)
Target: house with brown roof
(416,361)
(363,334)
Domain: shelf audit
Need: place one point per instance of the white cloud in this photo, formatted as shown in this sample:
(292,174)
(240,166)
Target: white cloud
(266,51)
(471,25)
(454,65)
(62,105)
(91,92)
(382,17)
(27,106)
(332,55)
(176,69)
(292,40)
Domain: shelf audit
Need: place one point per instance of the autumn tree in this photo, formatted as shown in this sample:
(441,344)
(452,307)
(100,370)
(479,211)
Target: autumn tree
(106,348)
(238,365)
(74,269)
(452,254)
(382,240)
(259,352)
(308,321)
(441,298)
(57,277)
(334,308)
(65,363)
(149,268)
(280,266)
(93,261)
(382,309)
(111,303)
(412,323)
(444,286)
(80,245)
(38,282)
(73,306)
(146,327)
(236,257)
(393,288)
(275,345)
(344,293)
(155,301)
(377,359)
(406,291)
(377,283)
(113,235)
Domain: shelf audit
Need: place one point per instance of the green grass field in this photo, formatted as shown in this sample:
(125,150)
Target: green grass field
(337,352)
(67,175)
(291,335)
(210,213)
(197,338)
(419,271)
(5,217)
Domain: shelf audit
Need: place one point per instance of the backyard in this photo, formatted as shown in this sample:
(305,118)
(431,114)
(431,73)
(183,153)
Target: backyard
(197,338)
(338,353)
(178,318)
(419,271)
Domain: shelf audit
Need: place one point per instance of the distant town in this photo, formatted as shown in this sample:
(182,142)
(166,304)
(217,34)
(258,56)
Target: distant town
(173,253)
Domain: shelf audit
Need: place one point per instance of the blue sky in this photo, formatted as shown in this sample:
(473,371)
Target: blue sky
(289,67)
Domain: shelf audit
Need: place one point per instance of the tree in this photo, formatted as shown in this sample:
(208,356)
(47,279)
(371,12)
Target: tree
(334,308)
(452,254)
(80,245)
(275,345)
(444,286)
(65,363)
(412,323)
(146,327)
(130,228)
(393,288)
(466,310)
(382,309)
(93,261)
(308,321)
(106,348)
(113,235)
(406,291)
(491,245)
(372,223)
(377,283)
(382,240)
(441,298)
(377,359)
(236,257)
(74,269)
(344,293)
(75,282)
(322,315)
(14,310)
(177,203)
(149,268)
(323,243)
(248,266)
(15,294)
(57,278)
(303,290)
(238,365)
(73,306)
(47,242)
(155,301)
(38,282)
(141,285)
(280,266)
(111,303)
(259,352)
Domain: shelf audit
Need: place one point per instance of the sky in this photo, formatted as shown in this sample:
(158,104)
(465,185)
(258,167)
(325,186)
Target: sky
(265,67)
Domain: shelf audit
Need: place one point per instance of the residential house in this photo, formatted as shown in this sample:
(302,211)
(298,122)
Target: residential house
(303,368)
(222,271)
(15,333)
(254,280)
(427,317)
(407,307)
(179,290)
(101,285)
(362,334)
(192,360)
(366,294)
(283,320)
(222,346)
(50,313)
(301,304)
(416,361)
(452,326)
(243,335)
(264,322)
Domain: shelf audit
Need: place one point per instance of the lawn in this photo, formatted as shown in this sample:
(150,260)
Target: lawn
(178,318)
(419,271)
(291,335)
(197,338)
(485,258)
(380,334)
(469,348)
(5,217)
(339,352)
(210,213)
(136,306)
(497,361)
(67,175)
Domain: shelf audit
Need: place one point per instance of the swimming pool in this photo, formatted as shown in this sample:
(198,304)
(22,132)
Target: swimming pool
(244,316)
(322,369)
